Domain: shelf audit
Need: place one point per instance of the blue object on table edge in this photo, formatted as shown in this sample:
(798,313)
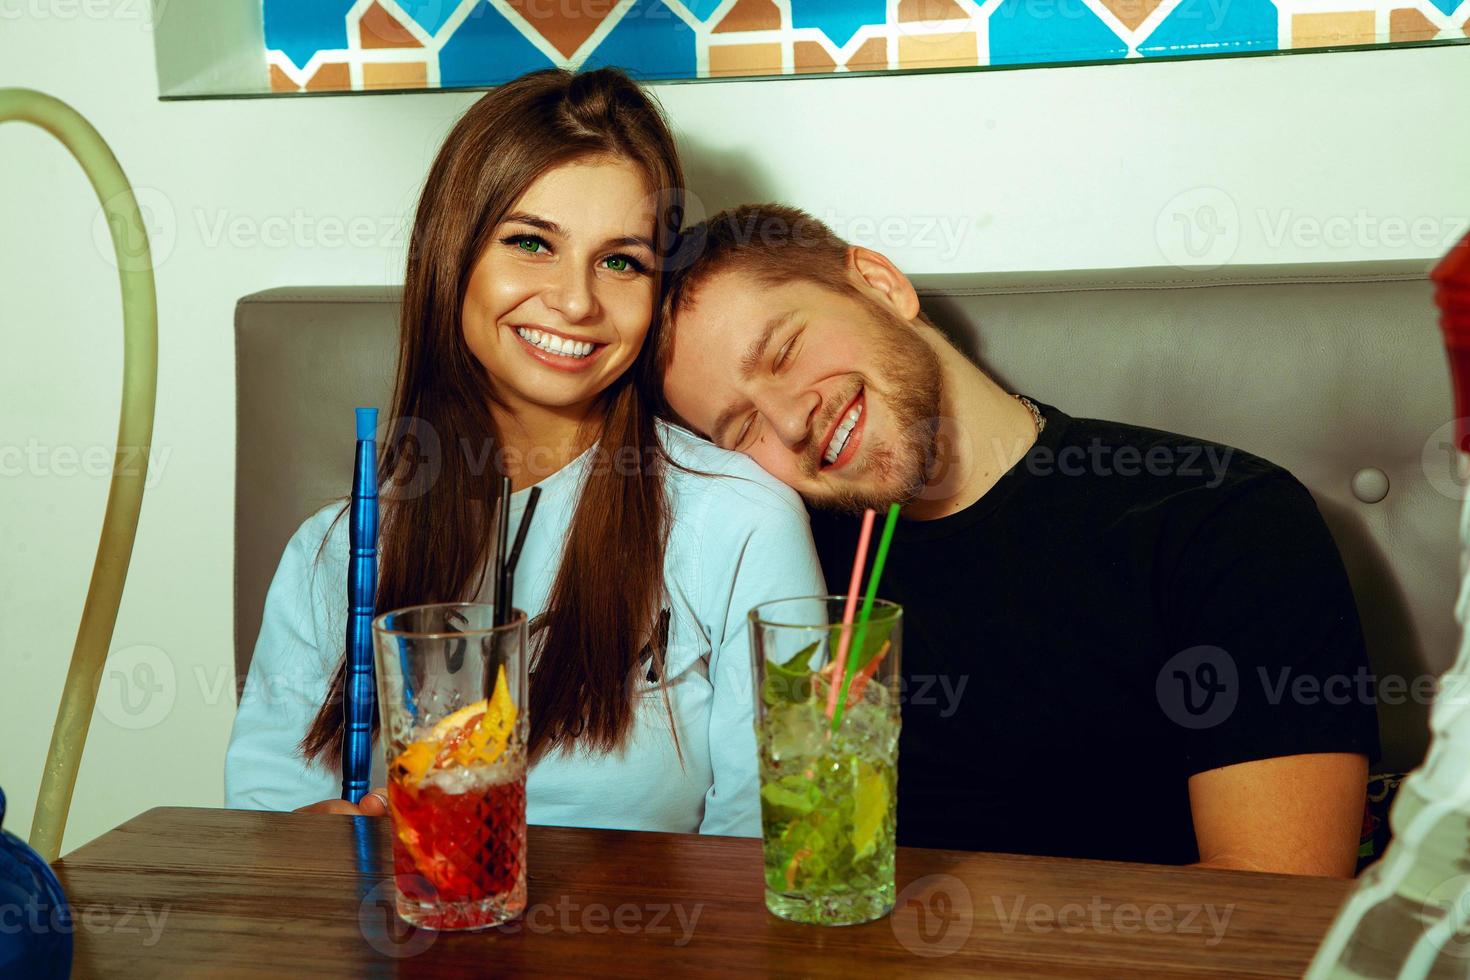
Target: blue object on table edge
(36,938)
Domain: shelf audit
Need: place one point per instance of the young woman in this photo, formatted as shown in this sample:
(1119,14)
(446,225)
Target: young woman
(532,284)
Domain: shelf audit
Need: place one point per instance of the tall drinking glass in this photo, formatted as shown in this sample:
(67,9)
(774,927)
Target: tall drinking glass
(452,692)
(829,780)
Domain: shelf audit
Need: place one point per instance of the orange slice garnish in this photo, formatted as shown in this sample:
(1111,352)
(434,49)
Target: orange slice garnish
(414,762)
(476,733)
(461,719)
(487,740)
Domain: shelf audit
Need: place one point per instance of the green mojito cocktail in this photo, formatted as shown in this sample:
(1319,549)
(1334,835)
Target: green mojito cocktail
(828,763)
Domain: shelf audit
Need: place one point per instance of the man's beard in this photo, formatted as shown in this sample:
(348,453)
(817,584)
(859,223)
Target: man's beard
(910,387)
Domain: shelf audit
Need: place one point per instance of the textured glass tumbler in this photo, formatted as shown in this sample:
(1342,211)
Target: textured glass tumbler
(828,765)
(452,692)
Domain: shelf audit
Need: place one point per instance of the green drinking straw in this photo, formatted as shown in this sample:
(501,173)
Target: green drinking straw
(862,623)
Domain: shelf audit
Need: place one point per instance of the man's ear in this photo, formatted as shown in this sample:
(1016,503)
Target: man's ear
(883,280)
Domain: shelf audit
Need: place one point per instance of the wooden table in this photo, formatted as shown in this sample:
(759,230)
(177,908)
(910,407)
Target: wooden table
(195,892)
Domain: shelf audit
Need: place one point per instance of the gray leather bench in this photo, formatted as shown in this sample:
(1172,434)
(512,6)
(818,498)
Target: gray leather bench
(1335,372)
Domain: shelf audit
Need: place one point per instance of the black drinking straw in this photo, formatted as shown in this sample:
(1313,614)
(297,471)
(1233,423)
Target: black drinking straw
(515,549)
(502,532)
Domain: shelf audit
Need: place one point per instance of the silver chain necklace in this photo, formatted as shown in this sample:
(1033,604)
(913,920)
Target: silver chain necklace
(1036,415)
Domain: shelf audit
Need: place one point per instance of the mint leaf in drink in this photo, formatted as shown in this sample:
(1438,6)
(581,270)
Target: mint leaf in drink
(789,681)
(880,625)
(799,659)
(795,794)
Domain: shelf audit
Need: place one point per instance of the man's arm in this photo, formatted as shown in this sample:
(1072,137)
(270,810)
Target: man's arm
(1294,814)
(1277,783)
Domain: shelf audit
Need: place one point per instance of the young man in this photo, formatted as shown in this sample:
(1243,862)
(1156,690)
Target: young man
(1105,625)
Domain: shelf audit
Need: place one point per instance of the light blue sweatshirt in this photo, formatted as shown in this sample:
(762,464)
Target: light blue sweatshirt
(737,539)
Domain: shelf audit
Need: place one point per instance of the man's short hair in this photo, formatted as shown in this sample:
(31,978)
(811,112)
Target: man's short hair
(774,243)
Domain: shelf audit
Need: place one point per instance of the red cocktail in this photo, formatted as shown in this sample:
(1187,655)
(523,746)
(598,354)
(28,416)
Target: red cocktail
(456,750)
(461,851)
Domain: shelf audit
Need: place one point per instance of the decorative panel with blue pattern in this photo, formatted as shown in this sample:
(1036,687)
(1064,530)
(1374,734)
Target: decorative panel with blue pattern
(327,45)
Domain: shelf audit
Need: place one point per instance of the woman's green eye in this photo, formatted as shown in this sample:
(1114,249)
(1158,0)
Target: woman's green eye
(529,245)
(618,264)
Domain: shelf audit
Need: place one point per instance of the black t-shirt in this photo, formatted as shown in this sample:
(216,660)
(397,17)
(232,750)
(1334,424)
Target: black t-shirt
(1124,608)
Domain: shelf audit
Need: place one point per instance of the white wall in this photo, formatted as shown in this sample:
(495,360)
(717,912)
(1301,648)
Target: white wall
(1048,169)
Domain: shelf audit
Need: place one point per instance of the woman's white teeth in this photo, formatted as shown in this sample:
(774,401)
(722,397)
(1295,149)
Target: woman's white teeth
(839,438)
(553,344)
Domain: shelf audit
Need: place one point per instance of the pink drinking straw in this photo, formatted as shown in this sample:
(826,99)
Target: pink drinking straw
(852,594)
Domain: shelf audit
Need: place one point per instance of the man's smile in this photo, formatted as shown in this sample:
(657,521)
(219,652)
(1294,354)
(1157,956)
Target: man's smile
(845,435)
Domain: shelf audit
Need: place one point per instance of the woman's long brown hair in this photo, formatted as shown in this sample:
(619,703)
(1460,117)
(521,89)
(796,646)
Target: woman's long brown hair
(437,527)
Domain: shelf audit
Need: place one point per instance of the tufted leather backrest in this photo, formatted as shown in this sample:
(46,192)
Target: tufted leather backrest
(1335,372)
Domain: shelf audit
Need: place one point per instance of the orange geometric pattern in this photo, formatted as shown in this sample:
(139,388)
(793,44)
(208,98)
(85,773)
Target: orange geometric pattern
(924,11)
(1336,29)
(1408,24)
(810,56)
(330,77)
(379,29)
(751,15)
(567,25)
(409,74)
(938,50)
(727,60)
(1132,13)
(871,56)
(281,82)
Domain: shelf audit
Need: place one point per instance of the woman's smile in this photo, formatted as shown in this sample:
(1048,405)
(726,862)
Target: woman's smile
(557,351)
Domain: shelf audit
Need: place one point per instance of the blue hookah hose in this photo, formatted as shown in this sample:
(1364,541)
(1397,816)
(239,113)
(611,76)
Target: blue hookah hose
(358,690)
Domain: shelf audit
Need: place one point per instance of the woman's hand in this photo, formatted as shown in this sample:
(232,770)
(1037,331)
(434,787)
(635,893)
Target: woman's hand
(374,804)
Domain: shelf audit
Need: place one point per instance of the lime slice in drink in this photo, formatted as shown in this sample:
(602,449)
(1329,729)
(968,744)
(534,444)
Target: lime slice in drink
(870,805)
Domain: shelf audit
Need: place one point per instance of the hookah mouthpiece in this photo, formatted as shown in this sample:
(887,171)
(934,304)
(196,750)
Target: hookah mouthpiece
(359,688)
